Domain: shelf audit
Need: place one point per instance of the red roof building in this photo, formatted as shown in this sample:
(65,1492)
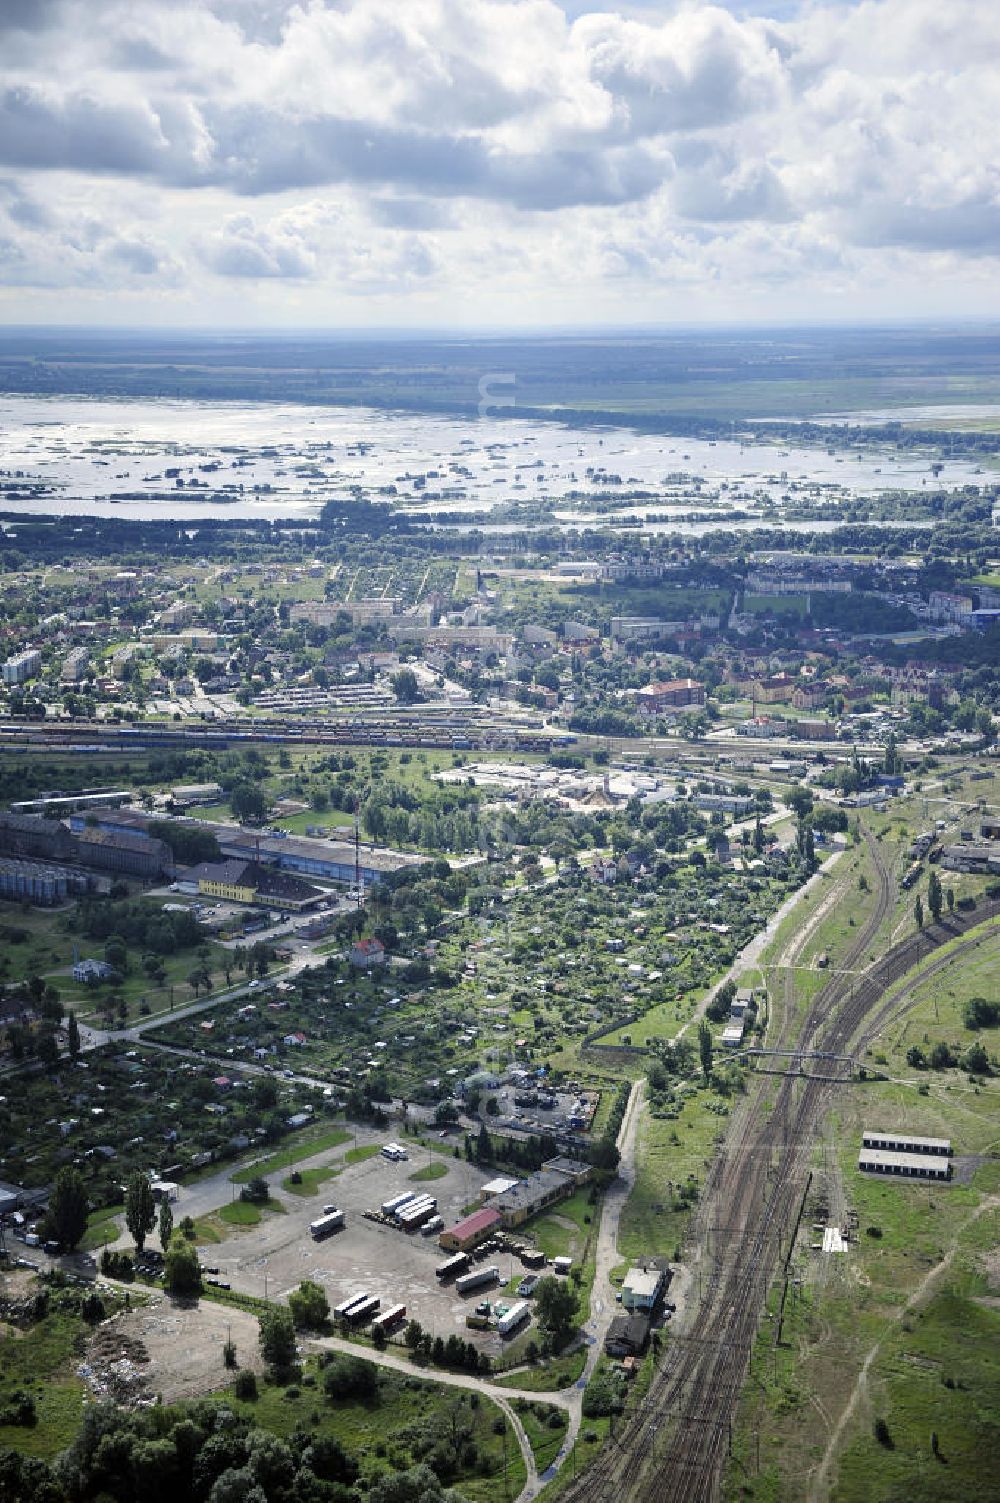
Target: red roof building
(470,1231)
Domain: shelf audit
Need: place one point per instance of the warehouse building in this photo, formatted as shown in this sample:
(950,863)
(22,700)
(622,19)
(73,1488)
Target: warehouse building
(906,1165)
(470,1231)
(901,1143)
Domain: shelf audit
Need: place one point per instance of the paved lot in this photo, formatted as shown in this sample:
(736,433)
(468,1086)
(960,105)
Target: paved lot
(395,1266)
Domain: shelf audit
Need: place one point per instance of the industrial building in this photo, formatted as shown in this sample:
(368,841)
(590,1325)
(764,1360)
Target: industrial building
(969,857)
(496,1187)
(334,861)
(31,838)
(132,855)
(31,882)
(126,851)
(529,1196)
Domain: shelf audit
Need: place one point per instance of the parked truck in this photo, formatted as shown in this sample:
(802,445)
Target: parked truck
(343,1310)
(514,1318)
(326,1225)
(453,1266)
(477,1279)
(389,1318)
(361,1313)
(396,1204)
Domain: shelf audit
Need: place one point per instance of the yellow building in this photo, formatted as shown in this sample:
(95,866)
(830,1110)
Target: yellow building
(229,880)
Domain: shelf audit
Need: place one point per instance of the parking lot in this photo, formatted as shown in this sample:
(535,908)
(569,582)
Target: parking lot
(389,1263)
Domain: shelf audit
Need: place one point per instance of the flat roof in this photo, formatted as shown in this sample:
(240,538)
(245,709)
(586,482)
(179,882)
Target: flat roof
(498,1186)
(563,1164)
(643,1281)
(938,1145)
(931,1164)
(528,1191)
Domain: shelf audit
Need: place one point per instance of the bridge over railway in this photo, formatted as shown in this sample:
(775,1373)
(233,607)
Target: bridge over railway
(823,1057)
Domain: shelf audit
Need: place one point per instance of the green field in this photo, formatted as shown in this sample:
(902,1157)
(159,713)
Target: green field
(306,1143)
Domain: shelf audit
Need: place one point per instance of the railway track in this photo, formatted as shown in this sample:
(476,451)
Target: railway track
(672,1447)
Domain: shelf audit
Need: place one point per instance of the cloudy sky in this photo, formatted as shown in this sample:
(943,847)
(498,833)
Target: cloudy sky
(497,162)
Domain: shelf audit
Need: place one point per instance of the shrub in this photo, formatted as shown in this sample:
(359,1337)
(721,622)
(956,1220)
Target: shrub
(245,1386)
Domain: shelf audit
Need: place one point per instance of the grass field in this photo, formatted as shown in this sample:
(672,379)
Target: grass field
(42,1361)
(103,1226)
(434,1170)
(547,1377)
(216,1226)
(309,1181)
(308,1142)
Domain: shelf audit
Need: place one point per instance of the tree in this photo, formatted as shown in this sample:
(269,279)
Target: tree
(555,1307)
(800,801)
(309,1306)
(166,1226)
(276,1337)
(68,1208)
(181,1272)
(934,896)
(975,1060)
(47,1049)
(73,1037)
(705,1047)
(140,1208)
(918,913)
(248,803)
(405,686)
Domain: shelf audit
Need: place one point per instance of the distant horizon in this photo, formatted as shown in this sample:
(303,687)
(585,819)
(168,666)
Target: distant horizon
(964,323)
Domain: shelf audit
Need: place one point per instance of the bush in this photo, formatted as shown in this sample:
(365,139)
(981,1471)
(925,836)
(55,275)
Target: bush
(883,1434)
(348,1377)
(309,1306)
(19,1409)
(256,1192)
(245,1386)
